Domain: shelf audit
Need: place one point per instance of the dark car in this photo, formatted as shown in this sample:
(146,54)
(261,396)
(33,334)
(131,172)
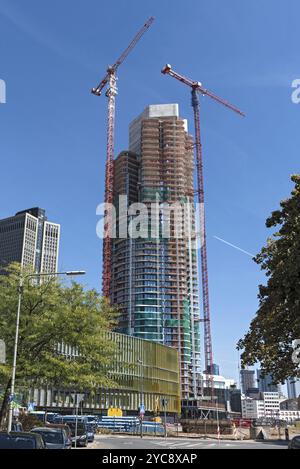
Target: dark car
(64,426)
(82,437)
(295,443)
(54,438)
(91,430)
(21,440)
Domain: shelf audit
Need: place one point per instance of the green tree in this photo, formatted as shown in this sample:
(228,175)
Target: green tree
(51,314)
(277,321)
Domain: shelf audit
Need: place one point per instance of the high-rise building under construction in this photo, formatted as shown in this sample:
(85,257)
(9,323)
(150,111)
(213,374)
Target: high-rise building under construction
(154,275)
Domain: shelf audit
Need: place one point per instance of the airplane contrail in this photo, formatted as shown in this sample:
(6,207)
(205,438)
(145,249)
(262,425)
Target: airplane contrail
(235,247)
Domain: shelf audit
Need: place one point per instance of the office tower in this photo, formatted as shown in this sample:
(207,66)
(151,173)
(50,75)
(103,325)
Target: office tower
(235,400)
(154,276)
(247,380)
(214,370)
(31,240)
(265,382)
(293,388)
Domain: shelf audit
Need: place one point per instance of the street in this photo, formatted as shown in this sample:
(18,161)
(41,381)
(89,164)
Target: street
(134,442)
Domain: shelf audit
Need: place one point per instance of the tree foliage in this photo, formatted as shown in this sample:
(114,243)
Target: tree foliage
(51,314)
(277,321)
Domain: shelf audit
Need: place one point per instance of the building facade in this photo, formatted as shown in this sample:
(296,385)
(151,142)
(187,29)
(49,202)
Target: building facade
(293,388)
(154,275)
(29,239)
(247,380)
(265,382)
(145,372)
(290,415)
(267,406)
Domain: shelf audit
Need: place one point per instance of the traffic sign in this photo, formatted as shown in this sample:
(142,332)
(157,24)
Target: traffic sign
(142,409)
(114,412)
(30,407)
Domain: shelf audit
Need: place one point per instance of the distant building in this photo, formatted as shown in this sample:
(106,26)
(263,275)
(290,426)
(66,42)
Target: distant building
(268,406)
(31,240)
(247,380)
(293,388)
(236,400)
(290,404)
(265,382)
(290,415)
(222,388)
(214,369)
(253,392)
(252,408)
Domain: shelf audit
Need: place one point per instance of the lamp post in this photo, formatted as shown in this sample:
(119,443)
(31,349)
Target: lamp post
(218,422)
(142,407)
(20,293)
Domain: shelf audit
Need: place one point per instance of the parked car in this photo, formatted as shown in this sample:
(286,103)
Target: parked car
(295,442)
(91,429)
(54,438)
(92,419)
(82,437)
(70,418)
(64,426)
(21,440)
(45,416)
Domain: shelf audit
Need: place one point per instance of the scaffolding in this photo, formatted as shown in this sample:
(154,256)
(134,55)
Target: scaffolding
(161,303)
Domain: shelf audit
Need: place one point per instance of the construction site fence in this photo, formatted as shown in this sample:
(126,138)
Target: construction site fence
(205,426)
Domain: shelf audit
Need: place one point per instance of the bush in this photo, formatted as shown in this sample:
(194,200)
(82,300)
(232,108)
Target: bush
(104,431)
(30,421)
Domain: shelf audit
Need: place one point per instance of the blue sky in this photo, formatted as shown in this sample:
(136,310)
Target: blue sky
(52,130)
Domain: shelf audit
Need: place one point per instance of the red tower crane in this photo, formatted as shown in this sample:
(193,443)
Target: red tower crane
(198,88)
(110,79)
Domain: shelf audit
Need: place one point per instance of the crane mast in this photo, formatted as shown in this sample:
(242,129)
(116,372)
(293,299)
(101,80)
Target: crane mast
(110,79)
(208,354)
(196,87)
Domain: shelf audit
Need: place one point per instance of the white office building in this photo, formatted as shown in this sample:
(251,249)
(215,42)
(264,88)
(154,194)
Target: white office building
(289,415)
(268,406)
(29,239)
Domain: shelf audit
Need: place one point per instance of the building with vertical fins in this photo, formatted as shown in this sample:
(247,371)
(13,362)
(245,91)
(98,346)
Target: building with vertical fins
(154,277)
(265,382)
(293,388)
(31,240)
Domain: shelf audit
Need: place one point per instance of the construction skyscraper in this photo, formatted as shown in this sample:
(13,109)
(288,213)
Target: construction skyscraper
(155,278)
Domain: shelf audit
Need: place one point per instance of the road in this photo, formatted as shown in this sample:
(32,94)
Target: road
(134,442)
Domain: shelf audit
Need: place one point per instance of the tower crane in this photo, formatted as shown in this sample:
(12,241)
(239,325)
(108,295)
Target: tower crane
(196,87)
(110,79)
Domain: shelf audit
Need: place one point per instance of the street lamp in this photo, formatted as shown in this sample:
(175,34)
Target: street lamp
(142,406)
(20,292)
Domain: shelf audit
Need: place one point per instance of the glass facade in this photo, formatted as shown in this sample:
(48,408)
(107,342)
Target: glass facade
(154,276)
(144,372)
